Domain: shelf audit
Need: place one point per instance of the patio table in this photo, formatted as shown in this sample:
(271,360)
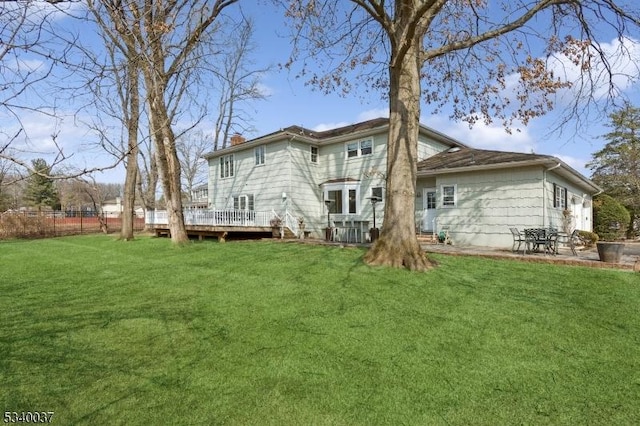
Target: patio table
(538,238)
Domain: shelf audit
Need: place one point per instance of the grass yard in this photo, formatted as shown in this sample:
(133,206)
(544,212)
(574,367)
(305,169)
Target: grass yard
(105,332)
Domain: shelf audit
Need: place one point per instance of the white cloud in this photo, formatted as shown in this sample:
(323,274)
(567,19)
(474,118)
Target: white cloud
(329,126)
(363,116)
(575,162)
(621,56)
(373,113)
(483,136)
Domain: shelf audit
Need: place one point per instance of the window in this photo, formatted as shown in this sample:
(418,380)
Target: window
(377,192)
(345,197)
(314,154)
(336,197)
(259,154)
(449,195)
(226,166)
(366,147)
(559,196)
(431,200)
(243,202)
(363,147)
(352,149)
(353,205)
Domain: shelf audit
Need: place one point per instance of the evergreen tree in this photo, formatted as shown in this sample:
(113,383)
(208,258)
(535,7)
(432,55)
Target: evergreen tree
(41,191)
(616,167)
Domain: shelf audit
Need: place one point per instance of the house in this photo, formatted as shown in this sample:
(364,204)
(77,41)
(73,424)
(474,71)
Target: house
(198,198)
(478,194)
(114,208)
(329,178)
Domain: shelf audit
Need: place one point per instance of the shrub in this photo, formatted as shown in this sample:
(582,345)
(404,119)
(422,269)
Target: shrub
(610,218)
(588,238)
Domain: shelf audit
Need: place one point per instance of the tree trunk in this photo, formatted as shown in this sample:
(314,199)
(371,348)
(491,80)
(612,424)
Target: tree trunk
(398,244)
(169,167)
(129,196)
(128,213)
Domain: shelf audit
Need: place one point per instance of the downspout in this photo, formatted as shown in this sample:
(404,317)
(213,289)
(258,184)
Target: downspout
(289,187)
(544,193)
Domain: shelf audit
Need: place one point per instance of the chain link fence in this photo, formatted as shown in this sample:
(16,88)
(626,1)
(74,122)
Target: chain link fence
(31,224)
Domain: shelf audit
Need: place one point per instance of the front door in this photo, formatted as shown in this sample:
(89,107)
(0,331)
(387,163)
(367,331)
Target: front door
(429,209)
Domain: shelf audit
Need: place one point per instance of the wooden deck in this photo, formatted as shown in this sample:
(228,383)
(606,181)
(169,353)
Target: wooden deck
(221,233)
(224,224)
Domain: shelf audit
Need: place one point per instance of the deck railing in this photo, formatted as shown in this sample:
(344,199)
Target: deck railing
(292,223)
(208,217)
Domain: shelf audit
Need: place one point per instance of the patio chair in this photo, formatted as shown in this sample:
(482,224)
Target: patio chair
(551,245)
(517,238)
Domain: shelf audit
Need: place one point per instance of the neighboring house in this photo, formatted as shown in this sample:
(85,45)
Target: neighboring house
(114,208)
(329,177)
(199,198)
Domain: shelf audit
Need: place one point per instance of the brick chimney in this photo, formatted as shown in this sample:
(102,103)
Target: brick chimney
(237,139)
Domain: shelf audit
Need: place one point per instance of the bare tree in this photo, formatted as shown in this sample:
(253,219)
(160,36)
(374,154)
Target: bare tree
(461,54)
(32,48)
(167,37)
(24,27)
(114,82)
(147,182)
(191,149)
(238,82)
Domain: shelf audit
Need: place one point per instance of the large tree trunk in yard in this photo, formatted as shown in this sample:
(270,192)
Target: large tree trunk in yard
(168,163)
(133,121)
(171,186)
(398,244)
(128,213)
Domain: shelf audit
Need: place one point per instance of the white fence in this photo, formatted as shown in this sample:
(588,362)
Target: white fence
(208,217)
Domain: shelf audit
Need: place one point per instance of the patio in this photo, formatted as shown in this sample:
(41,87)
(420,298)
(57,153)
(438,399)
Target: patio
(587,257)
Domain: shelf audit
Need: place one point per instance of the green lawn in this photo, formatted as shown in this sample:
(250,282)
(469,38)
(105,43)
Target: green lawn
(105,332)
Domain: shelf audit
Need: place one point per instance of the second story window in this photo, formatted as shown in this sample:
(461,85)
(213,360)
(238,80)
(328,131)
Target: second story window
(363,147)
(259,152)
(226,166)
(314,154)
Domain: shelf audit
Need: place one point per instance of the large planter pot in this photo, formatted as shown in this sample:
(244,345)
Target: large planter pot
(610,252)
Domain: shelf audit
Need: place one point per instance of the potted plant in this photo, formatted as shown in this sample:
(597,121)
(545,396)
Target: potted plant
(610,220)
(276,227)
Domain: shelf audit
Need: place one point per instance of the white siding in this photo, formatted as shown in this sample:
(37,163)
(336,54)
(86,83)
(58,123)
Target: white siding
(488,203)
(428,147)
(288,169)
(305,199)
(266,182)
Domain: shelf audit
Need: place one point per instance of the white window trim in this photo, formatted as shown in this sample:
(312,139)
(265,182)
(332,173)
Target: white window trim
(257,157)
(222,164)
(247,199)
(344,187)
(455,196)
(358,149)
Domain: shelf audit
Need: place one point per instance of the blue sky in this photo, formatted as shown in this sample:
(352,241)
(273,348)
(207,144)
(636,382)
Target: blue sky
(291,102)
